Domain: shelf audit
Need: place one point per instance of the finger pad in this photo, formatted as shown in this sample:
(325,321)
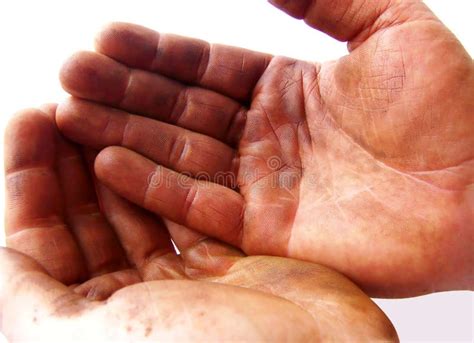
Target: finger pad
(95,77)
(124,171)
(129,43)
(29,141)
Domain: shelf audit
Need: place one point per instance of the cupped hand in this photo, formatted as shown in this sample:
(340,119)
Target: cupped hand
(95,268)
(364,164)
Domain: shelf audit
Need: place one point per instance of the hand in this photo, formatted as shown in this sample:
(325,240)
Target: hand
(110,272)
(364,164)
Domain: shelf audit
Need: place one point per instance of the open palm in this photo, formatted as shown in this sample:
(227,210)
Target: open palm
(364,164)
(110,272)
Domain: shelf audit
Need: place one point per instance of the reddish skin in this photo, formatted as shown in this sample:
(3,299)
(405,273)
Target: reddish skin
(109,273)
(378,145)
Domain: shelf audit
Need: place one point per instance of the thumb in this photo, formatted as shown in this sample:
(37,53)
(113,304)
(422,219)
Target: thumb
(348,20)
(29,297)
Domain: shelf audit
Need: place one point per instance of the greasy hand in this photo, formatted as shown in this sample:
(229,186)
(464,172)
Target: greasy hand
(364,164)
(110,273)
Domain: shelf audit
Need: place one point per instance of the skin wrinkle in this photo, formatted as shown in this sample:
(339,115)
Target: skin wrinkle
(162,269)
(157,51)
(407,174)
(149,187)
(71,305)
(232,121)
(365,110)
(27,169)
(179,146)
(240,227)
(454,171)
(123,140)
(190,198)
(126,91)
(383,20)
(106,127)
(89,208)
(152,255)
(56,223)
(242,66)
(204,61)
(304,121)
(273,130)
(272,288)
(347,8)
(387,167)
(269,287)
(312,8)
(179,107)
(238,69)
(241,114)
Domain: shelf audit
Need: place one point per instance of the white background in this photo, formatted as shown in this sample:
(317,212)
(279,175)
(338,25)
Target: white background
(37,36)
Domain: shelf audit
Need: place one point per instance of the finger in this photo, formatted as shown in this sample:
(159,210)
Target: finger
(28,297)
(96,77)
(99,244)
(34,216)
(176,148)
(183,237)
(103,286)
(203,256)
(186,240)
(143,236)
(228,70)
(345,20)
(203,206)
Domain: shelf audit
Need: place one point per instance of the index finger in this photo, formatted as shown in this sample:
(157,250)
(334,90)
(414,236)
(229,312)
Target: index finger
(231,71)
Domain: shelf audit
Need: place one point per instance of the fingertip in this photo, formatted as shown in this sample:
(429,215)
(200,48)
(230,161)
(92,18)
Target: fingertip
(102,36)
(132,44)
(69,70)
(93,76)
(110,30)
(29,139)
(108,160)
(124,172)
(120,160)
(103,160)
